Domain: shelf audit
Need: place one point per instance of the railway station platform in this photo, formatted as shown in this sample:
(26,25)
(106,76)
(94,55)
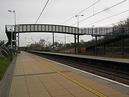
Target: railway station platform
(108,59)
(35,76)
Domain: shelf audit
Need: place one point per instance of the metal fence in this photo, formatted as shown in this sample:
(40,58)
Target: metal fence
(4,50)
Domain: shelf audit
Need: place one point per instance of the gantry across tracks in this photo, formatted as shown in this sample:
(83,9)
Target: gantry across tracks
(100,31)
(51,28)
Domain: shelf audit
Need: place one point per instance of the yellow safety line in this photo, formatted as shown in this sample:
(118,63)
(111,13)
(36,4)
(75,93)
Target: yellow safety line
(97,93)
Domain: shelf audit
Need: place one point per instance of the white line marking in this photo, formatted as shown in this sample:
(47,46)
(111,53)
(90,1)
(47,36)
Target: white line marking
(122,84)
(100,77)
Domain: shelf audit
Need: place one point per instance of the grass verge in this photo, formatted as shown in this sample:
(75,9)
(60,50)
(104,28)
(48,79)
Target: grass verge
(4,63)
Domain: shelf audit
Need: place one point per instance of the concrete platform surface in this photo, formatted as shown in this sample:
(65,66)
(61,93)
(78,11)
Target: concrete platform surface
(35,76)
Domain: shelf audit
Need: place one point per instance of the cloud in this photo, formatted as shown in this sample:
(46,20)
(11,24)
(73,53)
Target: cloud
(56,12)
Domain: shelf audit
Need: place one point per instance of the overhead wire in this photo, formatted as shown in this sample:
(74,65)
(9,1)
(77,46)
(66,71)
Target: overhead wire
(82,11)
(101,11)
(42,11)
(109,17)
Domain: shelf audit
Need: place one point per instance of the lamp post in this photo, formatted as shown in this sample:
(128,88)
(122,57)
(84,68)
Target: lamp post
(14,12)
(77,16)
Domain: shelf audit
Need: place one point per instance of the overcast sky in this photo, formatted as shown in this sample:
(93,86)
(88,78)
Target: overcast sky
(56,12)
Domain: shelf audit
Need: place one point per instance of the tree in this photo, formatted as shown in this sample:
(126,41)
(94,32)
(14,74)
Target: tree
(42,42)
